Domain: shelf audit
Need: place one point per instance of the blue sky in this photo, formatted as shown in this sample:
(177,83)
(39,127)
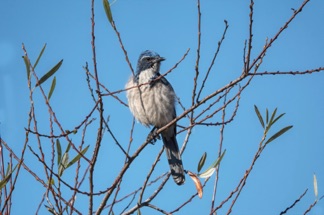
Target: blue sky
(286,167)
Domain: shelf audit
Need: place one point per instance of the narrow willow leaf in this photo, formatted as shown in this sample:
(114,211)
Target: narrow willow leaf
(68,148)
(315,187)
(8,169)
(76,158)
(4,182)
(271,121)
(210,170)
(108,11)
(272,116)
(59,151)
(63,164)
(197,183)
(259,115)
(52,88)
(49,73)
(202,161)
(279,133)
(65,160)
(276,119)
(8,176)
(27,67)
(267,115)
(40,55)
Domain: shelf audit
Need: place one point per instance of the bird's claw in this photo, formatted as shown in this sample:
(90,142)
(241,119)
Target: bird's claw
(152,137)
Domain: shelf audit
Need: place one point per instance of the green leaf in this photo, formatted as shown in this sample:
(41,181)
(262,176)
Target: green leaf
(63,163)
(27,66)
(4,182)
(40,55)
(8,176)
(259,115)
(108,11)
(52,88)
(59,151)
(8,169)
(76,158)
(65,160)
(267,115)
(272,116)
(202,161)
(271,121)
(279,133)
(210,170)
(49,73)
(68,148)
(276,119)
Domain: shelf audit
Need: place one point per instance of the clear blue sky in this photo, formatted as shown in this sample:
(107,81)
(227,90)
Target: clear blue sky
(286,167)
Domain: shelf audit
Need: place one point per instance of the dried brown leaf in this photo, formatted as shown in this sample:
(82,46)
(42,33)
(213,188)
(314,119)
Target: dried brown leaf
(197,183)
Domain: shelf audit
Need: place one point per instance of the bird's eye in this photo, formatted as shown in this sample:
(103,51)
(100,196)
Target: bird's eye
(148,59)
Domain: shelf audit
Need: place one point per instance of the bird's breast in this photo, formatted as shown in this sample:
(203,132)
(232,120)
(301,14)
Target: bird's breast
(152,104)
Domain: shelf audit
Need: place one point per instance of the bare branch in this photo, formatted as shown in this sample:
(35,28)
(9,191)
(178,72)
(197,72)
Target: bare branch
(213,60)
(310,71)
(295,202)
(248,56)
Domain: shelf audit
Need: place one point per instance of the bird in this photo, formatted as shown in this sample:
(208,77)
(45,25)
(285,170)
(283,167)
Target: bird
(151,100)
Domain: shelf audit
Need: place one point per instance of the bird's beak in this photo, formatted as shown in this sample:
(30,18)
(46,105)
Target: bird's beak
(159,59)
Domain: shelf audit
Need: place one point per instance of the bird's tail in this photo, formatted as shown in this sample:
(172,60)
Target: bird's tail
(174,158)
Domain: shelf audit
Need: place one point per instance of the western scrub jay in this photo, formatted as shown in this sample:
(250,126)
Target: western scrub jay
(153,104)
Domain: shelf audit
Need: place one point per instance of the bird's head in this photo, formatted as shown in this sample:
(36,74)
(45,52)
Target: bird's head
(149,60)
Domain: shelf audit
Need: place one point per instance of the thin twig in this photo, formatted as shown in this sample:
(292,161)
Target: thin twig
(100,109)
(148,200)
(312,205)
(310,71)
(197,59)
(275,37)
(149,175)
(113,24)
(137,190)
(295,202)
(248,56)
(219,44)
(34,174)
(220,150)
(49,107)
(157,208)
(104,87)
(189,200)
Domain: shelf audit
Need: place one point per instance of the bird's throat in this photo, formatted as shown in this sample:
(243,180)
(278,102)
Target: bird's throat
(146,76)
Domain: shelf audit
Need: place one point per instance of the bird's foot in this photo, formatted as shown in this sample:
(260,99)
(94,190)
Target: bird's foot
(152,137)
